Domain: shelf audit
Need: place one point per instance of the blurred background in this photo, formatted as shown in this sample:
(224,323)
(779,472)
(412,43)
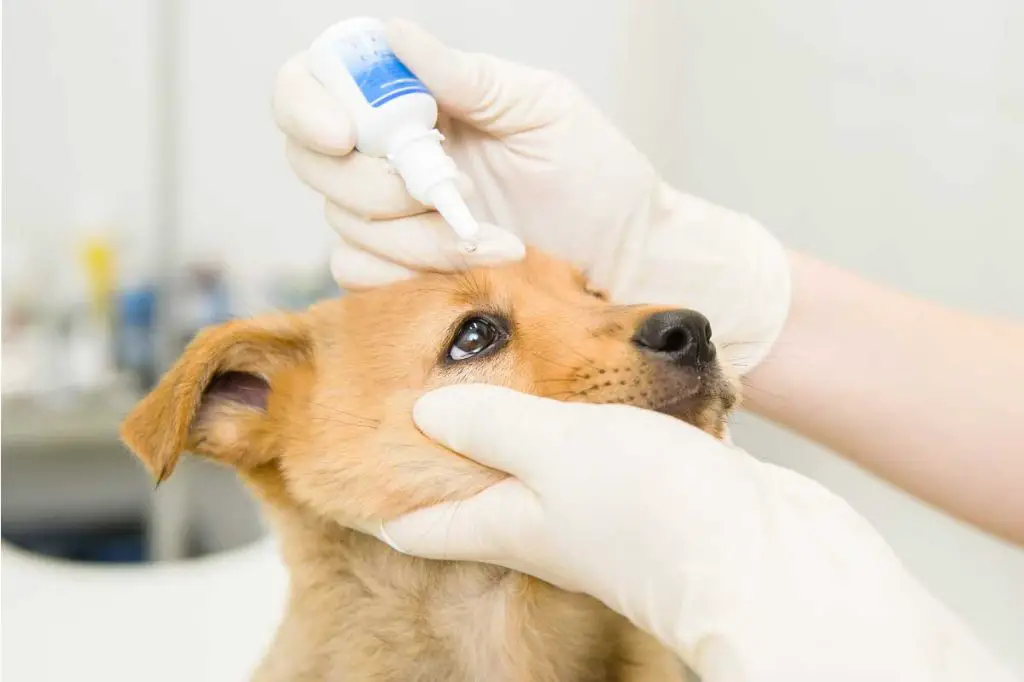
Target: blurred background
(145,195)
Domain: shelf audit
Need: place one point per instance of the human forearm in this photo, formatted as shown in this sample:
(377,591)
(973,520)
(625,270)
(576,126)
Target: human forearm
(924,396)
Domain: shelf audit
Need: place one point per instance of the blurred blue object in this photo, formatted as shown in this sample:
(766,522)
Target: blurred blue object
(201,299)
(136,317)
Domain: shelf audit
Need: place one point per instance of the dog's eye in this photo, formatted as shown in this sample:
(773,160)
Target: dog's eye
(596,293)
(475,336)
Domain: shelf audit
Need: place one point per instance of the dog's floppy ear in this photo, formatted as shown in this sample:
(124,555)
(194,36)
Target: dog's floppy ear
(217,398)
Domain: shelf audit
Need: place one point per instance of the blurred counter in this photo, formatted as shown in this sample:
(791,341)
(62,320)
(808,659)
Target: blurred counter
(67,474)
(90,422)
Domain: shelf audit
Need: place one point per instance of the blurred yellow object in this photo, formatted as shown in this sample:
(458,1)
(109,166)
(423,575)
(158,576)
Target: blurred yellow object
(98,259)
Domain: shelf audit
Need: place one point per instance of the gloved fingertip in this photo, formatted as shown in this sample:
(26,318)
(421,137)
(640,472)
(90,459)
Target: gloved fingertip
(475,529)
(305,111)
(496,245)
(477,421)
(375,528)
(426,532)
(385,537)
(436,413)
(402,33)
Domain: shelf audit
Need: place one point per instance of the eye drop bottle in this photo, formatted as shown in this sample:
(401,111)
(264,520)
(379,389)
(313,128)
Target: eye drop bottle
(394,114)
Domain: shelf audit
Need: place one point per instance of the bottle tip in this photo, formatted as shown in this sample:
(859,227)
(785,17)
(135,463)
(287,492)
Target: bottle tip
(449,203)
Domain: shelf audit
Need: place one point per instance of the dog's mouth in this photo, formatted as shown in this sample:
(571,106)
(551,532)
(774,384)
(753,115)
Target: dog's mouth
(701,396)
(707,400)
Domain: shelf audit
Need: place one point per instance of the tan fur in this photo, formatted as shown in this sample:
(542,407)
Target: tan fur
(335,444)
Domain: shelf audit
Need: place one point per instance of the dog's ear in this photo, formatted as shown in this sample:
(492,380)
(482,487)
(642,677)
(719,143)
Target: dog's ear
(218,397)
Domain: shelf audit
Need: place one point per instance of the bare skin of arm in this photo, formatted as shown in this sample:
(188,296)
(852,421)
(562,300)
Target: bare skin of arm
(924,396)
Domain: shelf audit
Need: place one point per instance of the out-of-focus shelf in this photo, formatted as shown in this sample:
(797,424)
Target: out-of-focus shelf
(65,462)
(66,465)
(90,423)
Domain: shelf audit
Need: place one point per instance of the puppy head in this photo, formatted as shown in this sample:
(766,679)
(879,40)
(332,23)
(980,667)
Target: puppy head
(315,408)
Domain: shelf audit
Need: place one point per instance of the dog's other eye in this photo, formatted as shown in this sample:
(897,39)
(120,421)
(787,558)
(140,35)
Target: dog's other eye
(475,336)
(596,293)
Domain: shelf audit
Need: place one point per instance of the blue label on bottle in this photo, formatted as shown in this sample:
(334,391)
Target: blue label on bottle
(380,75)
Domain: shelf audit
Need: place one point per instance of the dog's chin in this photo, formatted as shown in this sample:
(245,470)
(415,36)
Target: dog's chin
(706,405)
(705,412)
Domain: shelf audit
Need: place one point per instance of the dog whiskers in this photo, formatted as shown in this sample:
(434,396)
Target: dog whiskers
(560,380)
(553,362)
(350,415)
(588,362)
(567,396)
(341,422)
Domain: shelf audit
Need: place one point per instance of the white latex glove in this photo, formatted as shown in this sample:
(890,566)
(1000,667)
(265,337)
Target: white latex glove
(543,162)
(747,570)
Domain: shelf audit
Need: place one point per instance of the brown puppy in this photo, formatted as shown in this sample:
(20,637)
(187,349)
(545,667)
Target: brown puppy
(314,412)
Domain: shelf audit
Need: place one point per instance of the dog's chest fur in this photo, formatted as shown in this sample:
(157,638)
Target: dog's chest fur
(360,611)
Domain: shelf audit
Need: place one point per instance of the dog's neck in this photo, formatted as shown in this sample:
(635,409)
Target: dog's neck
(361,610)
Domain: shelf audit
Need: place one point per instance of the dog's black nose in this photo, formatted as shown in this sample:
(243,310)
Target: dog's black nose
(680,335)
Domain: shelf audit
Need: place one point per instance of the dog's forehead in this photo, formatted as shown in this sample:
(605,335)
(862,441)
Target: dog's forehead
(425,307)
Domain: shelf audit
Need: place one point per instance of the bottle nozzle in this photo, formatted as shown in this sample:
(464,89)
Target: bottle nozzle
(429,175)
(449,203)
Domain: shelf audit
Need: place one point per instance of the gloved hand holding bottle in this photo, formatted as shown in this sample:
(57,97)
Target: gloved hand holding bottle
(541,161)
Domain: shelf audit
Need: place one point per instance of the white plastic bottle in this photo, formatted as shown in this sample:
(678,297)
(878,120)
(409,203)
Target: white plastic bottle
(394,114)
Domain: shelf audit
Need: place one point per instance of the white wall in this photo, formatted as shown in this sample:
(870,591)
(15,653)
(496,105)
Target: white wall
(77,120)
(888,138)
